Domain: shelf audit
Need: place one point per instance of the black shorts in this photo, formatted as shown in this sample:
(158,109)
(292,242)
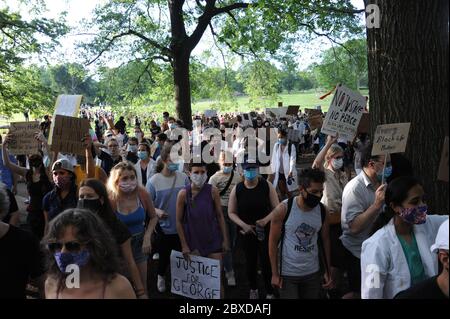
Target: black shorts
(353,268)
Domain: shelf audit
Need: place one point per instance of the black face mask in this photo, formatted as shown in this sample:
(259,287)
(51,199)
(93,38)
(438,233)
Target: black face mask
(311,200)
(93,205)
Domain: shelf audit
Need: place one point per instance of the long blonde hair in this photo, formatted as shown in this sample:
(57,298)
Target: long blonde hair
(115,174)
(334,149)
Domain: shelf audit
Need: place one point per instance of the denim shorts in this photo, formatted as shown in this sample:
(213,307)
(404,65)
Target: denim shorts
(136,246)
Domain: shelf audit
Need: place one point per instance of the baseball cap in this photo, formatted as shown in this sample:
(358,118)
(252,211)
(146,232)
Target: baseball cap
(62,164)
(249,163)
(441,238)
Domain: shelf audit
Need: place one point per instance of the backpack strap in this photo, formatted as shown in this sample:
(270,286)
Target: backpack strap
(322,256)
(283,229)
(223,191)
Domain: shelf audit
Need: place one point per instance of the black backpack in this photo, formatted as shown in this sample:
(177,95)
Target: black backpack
(322,256)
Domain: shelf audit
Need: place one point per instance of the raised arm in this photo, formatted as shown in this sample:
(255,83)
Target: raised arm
(16,169)
(320,158)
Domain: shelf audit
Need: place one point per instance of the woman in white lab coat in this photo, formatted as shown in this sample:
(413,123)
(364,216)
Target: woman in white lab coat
(398,255)
(146,166)
(283,166)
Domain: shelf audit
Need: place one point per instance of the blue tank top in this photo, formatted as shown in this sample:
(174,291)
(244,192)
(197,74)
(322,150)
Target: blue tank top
(135,220)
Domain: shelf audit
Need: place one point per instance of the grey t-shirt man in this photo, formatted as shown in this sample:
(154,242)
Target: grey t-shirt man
(358,196)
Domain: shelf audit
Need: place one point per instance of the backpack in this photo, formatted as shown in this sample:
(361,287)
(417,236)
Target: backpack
(322,256)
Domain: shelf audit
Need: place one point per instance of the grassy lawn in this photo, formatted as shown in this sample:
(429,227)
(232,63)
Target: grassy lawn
(304,99)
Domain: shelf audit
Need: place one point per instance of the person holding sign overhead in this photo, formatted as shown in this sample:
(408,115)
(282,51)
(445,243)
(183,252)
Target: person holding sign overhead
(362,201)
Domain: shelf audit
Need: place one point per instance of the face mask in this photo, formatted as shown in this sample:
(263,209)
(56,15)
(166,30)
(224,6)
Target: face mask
(93,205)
(282,141)
(173,126)
(337,163)
(128,187)
(199,179)
(414,215)
(62,182)
(132,148)
(311,200)
(227,169)
(65,259)
(138,135)
(143,155)
(250,174)
(387,173)
(173,167)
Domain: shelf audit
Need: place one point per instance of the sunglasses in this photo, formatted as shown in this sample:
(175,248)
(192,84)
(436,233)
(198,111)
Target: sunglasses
(71,246)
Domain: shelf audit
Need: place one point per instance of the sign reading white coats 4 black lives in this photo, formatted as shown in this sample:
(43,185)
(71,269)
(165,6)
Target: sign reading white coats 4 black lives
(344,113)
(198,278)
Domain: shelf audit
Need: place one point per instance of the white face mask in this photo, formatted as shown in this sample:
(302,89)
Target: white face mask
(337,164)
(199,179)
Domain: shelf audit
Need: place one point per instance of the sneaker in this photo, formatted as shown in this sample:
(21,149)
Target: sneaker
(156,256)
(231,280)
(270,296)
(161,285)
(254,294)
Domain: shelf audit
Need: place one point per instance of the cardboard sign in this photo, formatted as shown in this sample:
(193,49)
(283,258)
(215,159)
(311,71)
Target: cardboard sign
(344,113)
(23,142)
(198,278)
(210,113)
(315,121)
(67,105)
(311,112)
(390,138)
(443,165)
(292,109)
(68,133)
(364,123)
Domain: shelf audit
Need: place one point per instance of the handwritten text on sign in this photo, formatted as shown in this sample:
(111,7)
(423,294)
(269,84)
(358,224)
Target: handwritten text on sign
(68,134)
(23,142)
(344,114)
(390,138)
(196,279)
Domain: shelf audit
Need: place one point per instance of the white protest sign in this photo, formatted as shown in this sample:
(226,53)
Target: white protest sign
(278,111)
(198,278)
(344,113)
(210,113)
(390,138)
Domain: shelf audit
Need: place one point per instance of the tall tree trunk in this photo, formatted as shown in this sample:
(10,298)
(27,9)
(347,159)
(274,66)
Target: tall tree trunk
(408,82)
(182,87)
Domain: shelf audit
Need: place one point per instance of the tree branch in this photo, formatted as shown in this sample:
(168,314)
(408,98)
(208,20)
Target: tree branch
(164,50)
(226,9)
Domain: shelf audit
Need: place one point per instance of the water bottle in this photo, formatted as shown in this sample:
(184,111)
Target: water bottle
(260,233)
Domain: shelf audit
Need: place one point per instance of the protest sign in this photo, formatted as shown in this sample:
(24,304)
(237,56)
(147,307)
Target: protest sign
(198,278)
(279,112)
(364,123)
(443,165)
(311,112)
(67,105)
(344,113)
(315,121)
(210,113)
(390,138)
(23,141)
(68,133)
(292,109)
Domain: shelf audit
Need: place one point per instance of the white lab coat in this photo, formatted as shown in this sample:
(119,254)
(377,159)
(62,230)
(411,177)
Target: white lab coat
(289,163)
(151,167)
(383,254)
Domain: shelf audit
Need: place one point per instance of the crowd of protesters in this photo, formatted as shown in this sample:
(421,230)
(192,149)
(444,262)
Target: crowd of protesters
(330,230)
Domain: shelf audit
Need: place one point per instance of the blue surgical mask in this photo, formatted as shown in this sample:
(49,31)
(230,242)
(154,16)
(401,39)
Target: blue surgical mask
(387,173)
(173,167)
(143,155)
(173,126)
(250,174)
(63,260)
(227,169)
(282,141)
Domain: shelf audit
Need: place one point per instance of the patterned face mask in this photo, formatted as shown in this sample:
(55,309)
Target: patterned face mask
(414,215)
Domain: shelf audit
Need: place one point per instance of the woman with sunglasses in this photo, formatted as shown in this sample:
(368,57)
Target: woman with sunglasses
(38,184)
(331,160)
(133,206)
(81,247)
(94,196)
